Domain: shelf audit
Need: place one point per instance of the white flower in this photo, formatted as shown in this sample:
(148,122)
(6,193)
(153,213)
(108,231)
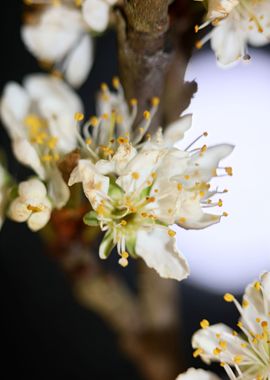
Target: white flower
(32,205)
(61,37)
(96,13)
(247,355)
(4,188)
(197,374)
(39,118)
(237,24)
(138,189)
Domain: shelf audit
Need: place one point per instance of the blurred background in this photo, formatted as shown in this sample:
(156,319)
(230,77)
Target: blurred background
(45,333)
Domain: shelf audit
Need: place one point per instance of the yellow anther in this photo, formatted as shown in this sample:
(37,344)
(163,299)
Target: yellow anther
(223,344)
(100,210)
(204,324)
(182,220)
(198,44)
(171,233)
(258,320)
(88,141)
(179,186)
(217,351)
(238,359)
(220,203)
(79,116)
(244,345)
(78,3)
(146,115)
(155,101)
(187,177)
(56,157)
(234,333)
(264,324)
(229,171)
(52,142)
(150,199)
(203,148)
(33,122)
(222,364)
(122,140)
(197,352)
(105,116)
(240,324)
(123,262)
(202,194)
(47,158)
(132,209)
(225,214)
(245,303)
(218,335)
(133,102)
(205,134)
(125,254)
(104,87)
(154,175)
(123,222)
(257,285)
(144,214)
(228,297)
(116,82)
(34,208)
(135,175)
(94,121)
(196,28)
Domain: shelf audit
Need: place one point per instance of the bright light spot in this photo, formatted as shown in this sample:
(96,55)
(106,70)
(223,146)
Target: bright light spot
(233,106)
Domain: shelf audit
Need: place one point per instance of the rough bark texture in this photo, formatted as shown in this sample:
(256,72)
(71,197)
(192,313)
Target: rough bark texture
(144,49)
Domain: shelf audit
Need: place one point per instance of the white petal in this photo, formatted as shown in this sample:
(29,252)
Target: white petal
(79,62)
(208,339)
(96,14)
(124,154)
(58,190)
(38,220)
(95,185)
(57,103)
(27,155)
(143,164)
(159,251)
(55,34)
(228,41)
(18,211)
(197,374)
(32,188)
(175,131)
(15,105)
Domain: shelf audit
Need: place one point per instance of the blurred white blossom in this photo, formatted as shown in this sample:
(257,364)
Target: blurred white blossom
(197,374)
(62,35)
(245,355)
(237,23)
(39,120)
(32,205)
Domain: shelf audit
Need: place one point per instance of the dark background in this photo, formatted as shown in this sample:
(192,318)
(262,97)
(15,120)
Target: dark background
(44,333)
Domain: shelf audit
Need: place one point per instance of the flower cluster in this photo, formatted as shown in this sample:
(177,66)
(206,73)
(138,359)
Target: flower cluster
(61,34)
(237,23)
(138,184)
(244,355)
